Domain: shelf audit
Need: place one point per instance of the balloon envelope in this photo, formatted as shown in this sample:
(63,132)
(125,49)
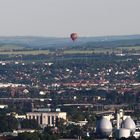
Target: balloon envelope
(74,36)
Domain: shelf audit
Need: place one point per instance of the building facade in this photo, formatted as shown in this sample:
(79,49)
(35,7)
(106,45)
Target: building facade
(47,118)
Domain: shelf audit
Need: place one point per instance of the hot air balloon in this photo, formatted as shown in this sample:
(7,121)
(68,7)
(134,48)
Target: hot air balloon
(73,36)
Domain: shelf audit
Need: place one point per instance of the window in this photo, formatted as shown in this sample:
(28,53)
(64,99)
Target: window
(53,120)
(48,120)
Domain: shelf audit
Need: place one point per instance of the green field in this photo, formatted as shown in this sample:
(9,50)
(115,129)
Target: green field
(32,52)
(103,50)
(77,52)
(10,47)
(96,50)
(19,50)
(130,48)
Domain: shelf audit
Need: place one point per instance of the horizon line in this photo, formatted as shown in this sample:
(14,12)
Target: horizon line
(44,36)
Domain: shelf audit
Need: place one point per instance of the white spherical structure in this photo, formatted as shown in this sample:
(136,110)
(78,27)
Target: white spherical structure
(128,123)
(104,127)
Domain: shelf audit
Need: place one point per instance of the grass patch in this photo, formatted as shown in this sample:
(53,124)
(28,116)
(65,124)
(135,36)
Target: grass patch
(10,47)
(32,52)
(77,52)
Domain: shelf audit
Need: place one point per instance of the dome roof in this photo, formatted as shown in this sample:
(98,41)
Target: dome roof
(128,123)
(104,127)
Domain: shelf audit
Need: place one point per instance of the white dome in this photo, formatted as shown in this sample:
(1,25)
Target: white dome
(104,127)
(128,123)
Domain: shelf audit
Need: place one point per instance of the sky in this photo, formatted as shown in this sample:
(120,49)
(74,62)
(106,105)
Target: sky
(59,18)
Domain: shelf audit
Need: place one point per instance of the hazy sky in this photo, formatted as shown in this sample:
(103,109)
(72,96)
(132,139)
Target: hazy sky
(61,17)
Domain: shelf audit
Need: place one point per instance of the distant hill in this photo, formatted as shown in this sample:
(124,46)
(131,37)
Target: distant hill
(53,42)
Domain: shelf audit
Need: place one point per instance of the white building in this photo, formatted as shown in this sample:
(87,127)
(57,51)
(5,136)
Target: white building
(80,123)
(46,118)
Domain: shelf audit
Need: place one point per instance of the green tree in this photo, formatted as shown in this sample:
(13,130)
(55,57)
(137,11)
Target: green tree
(48,130)
(35,136)
(8,123)
(30,124)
